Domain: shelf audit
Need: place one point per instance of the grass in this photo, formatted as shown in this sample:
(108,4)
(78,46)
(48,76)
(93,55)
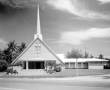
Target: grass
(65,73)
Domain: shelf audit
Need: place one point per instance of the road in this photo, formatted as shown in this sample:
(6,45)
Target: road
(22,84)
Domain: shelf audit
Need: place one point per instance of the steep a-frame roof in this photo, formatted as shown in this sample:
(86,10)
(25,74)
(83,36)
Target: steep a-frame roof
(49,51)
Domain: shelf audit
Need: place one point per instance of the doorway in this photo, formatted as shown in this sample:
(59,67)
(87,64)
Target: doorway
(36,65)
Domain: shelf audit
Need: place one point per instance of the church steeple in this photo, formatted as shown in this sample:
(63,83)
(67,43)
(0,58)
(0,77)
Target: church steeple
(38,33)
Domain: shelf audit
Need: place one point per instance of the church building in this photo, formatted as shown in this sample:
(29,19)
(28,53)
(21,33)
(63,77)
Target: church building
(38,54)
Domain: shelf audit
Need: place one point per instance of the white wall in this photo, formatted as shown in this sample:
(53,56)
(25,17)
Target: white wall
(85,65)
(95,65)
(80,65)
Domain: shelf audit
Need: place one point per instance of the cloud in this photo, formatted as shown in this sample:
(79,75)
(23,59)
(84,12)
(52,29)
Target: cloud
(2,41)
(75,7)
(104,1)
(12,6)
(18,3)
(78,37)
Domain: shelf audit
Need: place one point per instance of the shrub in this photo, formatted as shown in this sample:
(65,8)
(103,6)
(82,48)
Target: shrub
(50,71)
(11,71)
(107,67)
(57,68)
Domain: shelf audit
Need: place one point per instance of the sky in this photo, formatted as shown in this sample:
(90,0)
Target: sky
(65,24)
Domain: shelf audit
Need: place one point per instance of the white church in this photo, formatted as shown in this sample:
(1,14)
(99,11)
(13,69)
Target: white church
(37,56)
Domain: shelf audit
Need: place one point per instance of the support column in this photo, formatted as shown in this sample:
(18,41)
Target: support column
(69,65)
(76,64)
(82,65)
(27,65)
(45,65)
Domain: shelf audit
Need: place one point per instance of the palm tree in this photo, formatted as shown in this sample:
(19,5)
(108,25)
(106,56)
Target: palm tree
(21,47)
(7,56)
(12,46)
(12,51)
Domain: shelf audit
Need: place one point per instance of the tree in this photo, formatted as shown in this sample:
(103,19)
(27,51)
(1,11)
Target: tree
(12,46)
(21,47)
(3,65)
(12,51)
(19,50)
(1,55)
(86,55)
(7,56)
(101,56)
(74,53)
(91,56)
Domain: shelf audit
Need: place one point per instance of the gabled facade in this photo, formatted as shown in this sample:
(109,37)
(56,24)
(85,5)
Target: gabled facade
(37,54)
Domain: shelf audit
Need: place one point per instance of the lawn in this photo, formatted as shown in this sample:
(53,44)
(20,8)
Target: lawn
(65,73)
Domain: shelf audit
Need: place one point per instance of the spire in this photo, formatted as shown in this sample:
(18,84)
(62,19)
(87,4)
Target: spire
(38,33)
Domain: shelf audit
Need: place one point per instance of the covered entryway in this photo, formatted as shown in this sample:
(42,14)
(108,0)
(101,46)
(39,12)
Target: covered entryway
(36,64)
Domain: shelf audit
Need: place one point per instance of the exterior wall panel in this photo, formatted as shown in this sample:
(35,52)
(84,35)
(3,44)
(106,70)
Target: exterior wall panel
(95,65)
